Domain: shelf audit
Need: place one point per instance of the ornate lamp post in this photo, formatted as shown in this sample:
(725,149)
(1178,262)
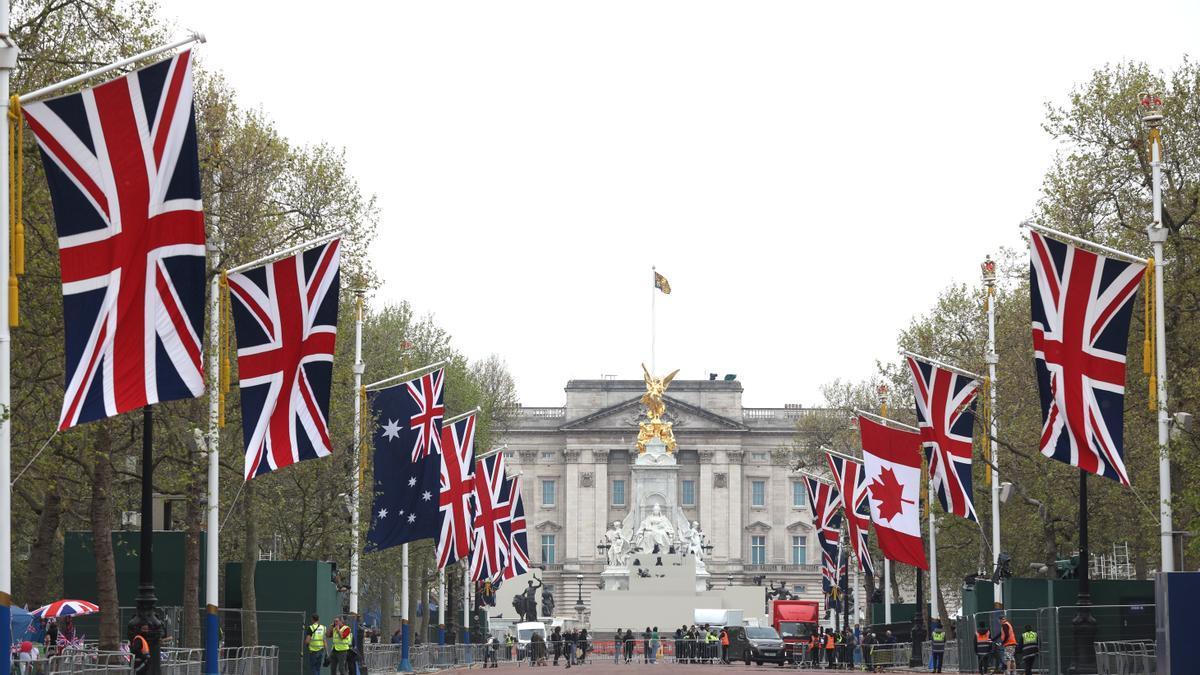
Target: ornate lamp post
(579,606)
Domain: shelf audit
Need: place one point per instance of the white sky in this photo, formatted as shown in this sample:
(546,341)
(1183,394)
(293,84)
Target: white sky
(807,175)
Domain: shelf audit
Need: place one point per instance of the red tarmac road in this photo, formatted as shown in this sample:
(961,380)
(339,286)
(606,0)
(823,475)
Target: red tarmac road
(607,667)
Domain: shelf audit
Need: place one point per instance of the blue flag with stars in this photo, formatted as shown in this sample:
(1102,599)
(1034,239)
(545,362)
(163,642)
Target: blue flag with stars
(407,463)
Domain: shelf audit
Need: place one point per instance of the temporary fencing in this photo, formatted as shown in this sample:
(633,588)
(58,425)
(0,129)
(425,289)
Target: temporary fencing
(950,657)
(1126,657)
(884,656)
(1062,647)
(262,660)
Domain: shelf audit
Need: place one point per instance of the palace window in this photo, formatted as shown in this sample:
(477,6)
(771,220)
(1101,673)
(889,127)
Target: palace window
(758,493)
(758,550)
(548,492)
(799,550)
(798,494)
(548,549)
(688,490)
(618,492)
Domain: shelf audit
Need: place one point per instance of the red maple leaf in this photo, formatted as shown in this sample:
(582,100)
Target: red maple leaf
(888,491)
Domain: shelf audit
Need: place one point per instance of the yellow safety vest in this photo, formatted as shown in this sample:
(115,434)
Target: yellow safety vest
(1029,637)
(939,636)
(317,642)
(340,644)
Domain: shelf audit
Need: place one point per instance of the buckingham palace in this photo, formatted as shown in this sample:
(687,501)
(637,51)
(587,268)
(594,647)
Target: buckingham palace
(731,471)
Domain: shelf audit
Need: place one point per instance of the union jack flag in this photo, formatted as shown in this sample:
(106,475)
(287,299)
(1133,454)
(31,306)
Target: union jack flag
(1081,305)
(853,481)
(124,177)
(493,519)
(286,323)
(946,417)
(426,392)
(825,500)
(518,540)
(457,496)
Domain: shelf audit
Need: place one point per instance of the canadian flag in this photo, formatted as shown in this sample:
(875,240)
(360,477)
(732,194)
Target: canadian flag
(892,461)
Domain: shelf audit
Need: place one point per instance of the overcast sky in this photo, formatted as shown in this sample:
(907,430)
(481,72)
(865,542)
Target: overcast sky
(807,175)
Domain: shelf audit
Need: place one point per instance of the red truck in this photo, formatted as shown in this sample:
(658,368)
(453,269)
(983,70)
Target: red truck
(795,620)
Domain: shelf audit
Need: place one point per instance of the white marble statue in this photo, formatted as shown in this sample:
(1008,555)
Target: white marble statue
(655,530)
(618,545)
(693,541)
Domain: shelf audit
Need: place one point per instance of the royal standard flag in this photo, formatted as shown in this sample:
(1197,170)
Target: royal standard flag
(660,282)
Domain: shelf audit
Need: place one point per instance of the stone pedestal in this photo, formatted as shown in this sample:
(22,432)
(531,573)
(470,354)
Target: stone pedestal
(615,578)
(655,480)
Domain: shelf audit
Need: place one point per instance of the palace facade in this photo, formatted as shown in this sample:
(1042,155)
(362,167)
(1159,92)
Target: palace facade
(734,477)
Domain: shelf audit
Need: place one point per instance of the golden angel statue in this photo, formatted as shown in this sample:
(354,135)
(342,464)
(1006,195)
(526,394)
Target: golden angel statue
(654,427)
(653,398)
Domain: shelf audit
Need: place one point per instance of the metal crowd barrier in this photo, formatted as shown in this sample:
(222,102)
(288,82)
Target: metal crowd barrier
(950,657)
(890,655)
(1126,657)
(262,660)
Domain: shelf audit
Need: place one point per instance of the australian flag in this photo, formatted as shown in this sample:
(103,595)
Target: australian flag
(405,507)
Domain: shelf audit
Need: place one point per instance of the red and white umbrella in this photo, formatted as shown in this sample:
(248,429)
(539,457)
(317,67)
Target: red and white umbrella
(61,608)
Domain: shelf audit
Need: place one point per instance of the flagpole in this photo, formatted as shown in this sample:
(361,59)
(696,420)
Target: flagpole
(653,315)
(1158,236)
(887,564)
(466,638)
(405,665)
(356,454)
(442,606)
(59,86)
(278,255)
(933,574)
(404,376)
(989,281)
(212,640)
(452,420)
(8,61)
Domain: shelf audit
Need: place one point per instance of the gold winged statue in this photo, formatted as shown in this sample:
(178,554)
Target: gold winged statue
(655,408)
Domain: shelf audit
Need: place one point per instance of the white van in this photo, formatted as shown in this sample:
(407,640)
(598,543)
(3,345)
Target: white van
(526,629)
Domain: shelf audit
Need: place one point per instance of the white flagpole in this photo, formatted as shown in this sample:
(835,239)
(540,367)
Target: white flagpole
(59,86)
(887,564)
(653,315)
(466,574)
(442,606)
(405,665)
(989,280)
(8,61)
(356,453)
(1158,236)
(933,580)
(212,643)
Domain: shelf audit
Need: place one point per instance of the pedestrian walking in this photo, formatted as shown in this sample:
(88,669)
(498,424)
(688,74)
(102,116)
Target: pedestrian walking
(646,645)
(654,643)
(1029,648)
(1008,638)
(556,639)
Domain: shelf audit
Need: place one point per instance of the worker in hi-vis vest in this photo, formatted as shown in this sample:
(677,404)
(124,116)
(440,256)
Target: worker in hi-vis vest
(314,645)
(339,653)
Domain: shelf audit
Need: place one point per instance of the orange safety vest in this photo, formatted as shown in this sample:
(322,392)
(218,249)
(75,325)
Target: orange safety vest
(1009,635)
(812,642)
(828,642)
(982,636)
(725,638)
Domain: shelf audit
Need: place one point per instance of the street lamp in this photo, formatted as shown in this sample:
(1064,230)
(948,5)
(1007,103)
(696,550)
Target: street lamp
(579,606)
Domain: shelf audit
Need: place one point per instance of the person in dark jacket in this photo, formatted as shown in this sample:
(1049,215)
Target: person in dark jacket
(983,647)
(556,643)
(629,644)
(1029,648)
(646,645)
